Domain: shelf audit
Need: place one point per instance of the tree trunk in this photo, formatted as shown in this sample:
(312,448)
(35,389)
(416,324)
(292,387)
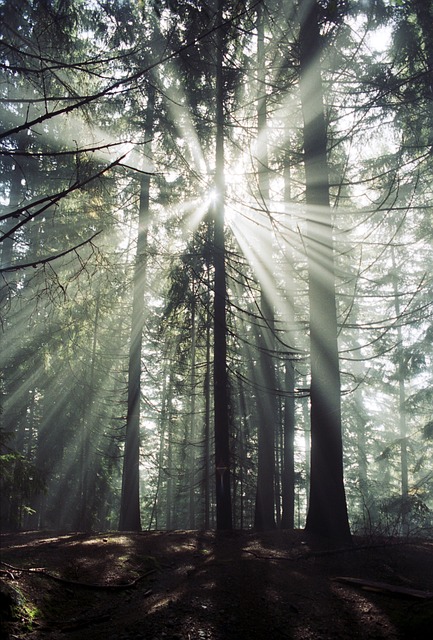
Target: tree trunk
(327,513)
(207,411)
(17,172)
(288,467)
(404,474)
(307,446)
(222,446)
(424,14)
(86,479)
(130,497)
(169,460)
(192,431)
(264,516)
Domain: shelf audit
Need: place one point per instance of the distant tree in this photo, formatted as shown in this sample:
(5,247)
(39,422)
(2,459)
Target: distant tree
(20,480)
(289,417)
(221,399)
(264,515)
(130,497)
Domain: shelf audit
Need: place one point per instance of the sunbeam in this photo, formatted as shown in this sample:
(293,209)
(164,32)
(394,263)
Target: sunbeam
(215,241)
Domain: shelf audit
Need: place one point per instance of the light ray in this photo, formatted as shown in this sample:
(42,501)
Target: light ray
(177,104)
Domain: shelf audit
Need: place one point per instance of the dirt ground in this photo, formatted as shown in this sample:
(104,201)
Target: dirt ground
(189,585)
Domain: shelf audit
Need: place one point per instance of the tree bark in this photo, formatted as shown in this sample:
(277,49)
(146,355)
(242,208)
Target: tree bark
(327,513)
(264,515)
(288,466)
(221,429)
(130,498)
(192,430)
(424,14)
(404,473)
(207,409)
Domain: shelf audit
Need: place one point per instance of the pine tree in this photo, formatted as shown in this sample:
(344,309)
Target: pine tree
(327,513)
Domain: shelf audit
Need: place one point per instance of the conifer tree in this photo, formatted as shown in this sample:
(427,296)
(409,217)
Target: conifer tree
(327,513)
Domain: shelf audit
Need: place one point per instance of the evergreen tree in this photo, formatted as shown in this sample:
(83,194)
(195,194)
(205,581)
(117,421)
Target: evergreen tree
(327,513)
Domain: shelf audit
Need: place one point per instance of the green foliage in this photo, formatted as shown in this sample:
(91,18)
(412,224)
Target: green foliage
(18,607)
(428,430)
(16,472)
(411,507)
(392,449)
(20,481)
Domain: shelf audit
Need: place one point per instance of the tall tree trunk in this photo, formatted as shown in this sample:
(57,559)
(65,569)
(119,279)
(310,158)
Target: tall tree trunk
(361,441)
(162,426)
(222,441)
(207,410)
(288,467)
(86,479)
(264,516)
(130,498)
(424,14)
(307,445)
(169,459)
(16,189)
(404,475)
(327,513)
(243,435)
(288,472)
(192,431)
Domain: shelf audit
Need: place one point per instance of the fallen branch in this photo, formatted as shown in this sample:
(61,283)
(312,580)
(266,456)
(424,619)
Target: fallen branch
(8,573)
(384,587)
(261,557)
(356,547)
(74,583)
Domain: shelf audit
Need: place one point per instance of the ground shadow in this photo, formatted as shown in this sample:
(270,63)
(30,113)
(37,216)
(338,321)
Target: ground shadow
(189,585)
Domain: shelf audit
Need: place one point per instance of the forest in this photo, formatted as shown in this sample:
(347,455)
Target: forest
(216,257)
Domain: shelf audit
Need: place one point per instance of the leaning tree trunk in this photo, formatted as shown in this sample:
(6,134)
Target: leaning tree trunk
(222,441)
(130,497)
(327,513)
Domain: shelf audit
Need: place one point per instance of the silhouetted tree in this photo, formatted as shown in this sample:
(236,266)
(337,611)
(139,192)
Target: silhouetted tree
(327,513)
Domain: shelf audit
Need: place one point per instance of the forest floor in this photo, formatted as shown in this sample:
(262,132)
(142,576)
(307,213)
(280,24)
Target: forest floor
(190,585)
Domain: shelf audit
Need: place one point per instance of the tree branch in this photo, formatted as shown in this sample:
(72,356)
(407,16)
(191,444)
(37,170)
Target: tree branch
(38,263)
(123,81)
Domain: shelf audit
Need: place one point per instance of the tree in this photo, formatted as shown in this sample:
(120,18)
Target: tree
(221,399)
(242,209)
(288,461)
(130,499)
(264,515)
(327,513)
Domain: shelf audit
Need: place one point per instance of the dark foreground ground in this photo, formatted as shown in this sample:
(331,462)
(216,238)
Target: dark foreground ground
(189,585)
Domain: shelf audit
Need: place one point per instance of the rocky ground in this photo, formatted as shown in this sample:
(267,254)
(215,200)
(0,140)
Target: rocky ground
(189,585)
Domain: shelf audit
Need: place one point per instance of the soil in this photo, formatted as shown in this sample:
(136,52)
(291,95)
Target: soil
(190,585)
